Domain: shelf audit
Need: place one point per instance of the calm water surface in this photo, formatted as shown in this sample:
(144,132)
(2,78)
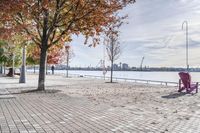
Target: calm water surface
(161,76)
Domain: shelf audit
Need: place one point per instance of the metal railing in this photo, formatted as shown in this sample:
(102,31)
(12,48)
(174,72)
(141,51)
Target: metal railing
(166,83)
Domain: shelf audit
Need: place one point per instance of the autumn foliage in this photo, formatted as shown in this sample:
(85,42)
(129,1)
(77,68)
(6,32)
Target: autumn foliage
(54,56)
(64,18)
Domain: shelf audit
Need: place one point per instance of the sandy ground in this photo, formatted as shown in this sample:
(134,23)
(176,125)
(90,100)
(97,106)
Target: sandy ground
(156,100)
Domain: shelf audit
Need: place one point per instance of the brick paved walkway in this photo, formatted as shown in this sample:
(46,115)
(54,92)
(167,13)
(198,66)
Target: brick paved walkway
(59,113)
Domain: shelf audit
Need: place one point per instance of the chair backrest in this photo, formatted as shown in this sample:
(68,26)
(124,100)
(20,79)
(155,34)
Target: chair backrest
(185,78)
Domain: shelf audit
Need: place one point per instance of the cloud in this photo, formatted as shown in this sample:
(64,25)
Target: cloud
(154,31)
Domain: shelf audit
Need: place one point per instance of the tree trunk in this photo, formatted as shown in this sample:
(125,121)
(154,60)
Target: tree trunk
(43,54)
(1,69)
(22,78)
(67,63)
(46,68)
(13,65)
(111,72)
(4,68)
(112,59)
(34,68)
(42,68)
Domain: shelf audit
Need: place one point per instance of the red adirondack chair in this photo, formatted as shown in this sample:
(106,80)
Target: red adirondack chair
(185,79)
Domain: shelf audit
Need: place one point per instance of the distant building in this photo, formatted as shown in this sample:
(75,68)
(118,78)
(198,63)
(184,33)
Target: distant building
(108,68)
(120,66)
(134,68)
(115,67)
(125,66)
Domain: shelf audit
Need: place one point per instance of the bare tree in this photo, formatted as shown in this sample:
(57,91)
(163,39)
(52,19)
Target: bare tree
(113,51)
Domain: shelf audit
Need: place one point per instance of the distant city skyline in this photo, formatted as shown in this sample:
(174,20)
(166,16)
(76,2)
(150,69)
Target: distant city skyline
(120,67)
(154,31)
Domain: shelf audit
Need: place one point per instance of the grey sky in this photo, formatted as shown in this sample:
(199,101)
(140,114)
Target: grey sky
(154,31)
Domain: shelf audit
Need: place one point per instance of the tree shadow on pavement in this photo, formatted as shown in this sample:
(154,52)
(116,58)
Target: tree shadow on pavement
(111,82)
(36,91)
(174,95)
(10,83)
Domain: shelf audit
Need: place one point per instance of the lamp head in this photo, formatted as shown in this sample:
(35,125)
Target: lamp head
(184,22)
(67,46)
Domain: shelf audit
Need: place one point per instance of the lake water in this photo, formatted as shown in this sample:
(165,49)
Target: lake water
(160,76)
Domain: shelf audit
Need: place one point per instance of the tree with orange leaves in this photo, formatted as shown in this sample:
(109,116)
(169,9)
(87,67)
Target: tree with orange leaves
(54,55)
(50,22)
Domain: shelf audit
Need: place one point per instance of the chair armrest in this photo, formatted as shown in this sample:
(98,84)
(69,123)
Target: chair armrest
(197,83)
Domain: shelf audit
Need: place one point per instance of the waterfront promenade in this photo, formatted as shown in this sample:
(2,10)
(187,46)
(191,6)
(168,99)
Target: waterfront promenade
(92,106)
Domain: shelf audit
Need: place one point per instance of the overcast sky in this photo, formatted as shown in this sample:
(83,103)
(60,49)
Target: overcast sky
(155,32)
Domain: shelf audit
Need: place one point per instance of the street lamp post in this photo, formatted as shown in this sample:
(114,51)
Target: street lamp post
(67,47)
(186,35)
(22,78)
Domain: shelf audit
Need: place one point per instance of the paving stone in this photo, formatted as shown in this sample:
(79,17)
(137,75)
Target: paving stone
(6,96)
